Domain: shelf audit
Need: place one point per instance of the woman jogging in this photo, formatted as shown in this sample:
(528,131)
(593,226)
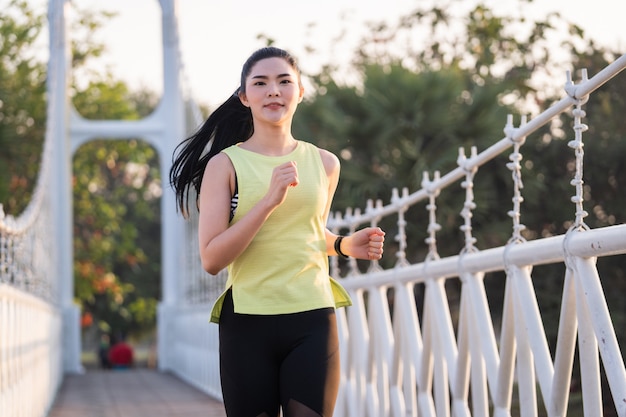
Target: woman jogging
(264,199)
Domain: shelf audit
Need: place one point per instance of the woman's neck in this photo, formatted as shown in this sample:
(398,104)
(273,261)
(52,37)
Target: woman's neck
(271,142)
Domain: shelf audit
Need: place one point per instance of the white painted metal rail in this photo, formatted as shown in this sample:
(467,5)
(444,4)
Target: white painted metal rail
(401,360)
(30,353)
(31,365)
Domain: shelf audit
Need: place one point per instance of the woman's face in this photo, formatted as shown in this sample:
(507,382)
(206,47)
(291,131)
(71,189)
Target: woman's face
(272,91)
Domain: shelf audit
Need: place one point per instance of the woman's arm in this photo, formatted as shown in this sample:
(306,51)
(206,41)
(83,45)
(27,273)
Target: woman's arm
(366,243)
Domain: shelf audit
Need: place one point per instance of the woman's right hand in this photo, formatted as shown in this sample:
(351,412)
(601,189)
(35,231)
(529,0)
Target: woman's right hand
(284,176)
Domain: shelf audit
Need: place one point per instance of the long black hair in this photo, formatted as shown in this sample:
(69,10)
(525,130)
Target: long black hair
(227,125)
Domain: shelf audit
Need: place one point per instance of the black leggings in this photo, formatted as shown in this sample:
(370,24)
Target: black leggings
(288,360)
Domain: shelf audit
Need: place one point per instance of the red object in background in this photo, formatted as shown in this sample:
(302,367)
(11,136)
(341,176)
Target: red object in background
(86,320)
(121,355)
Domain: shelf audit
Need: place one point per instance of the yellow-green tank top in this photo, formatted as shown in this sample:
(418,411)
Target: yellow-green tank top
(285,267)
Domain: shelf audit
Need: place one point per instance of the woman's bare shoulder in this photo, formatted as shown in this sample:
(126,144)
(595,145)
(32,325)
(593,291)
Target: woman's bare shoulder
(219,170)
(328,158)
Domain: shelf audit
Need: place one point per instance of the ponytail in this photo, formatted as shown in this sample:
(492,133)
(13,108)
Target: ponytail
(227,125)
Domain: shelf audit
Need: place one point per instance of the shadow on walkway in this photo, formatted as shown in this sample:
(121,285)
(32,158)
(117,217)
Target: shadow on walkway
(132,393)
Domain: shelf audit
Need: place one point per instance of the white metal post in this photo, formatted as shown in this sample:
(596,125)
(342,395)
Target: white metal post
(172,109)
(58,117)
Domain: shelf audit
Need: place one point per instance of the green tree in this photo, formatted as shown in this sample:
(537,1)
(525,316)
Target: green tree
(414,107)
(117,215)
(22,105)
(117,233)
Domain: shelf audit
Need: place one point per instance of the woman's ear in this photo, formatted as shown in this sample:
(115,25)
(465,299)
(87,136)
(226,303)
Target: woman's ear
(301,95)
(243,99)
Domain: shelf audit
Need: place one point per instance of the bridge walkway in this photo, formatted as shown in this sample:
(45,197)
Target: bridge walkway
(132,393)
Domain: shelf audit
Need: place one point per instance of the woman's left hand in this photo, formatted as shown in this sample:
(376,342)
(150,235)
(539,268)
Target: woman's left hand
(366,243)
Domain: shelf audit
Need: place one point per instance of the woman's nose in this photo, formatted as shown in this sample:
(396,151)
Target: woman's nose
(273,90)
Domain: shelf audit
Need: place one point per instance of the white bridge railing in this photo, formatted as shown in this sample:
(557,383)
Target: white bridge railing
(403,358)
(398,361)
(31,314)
(31,362)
